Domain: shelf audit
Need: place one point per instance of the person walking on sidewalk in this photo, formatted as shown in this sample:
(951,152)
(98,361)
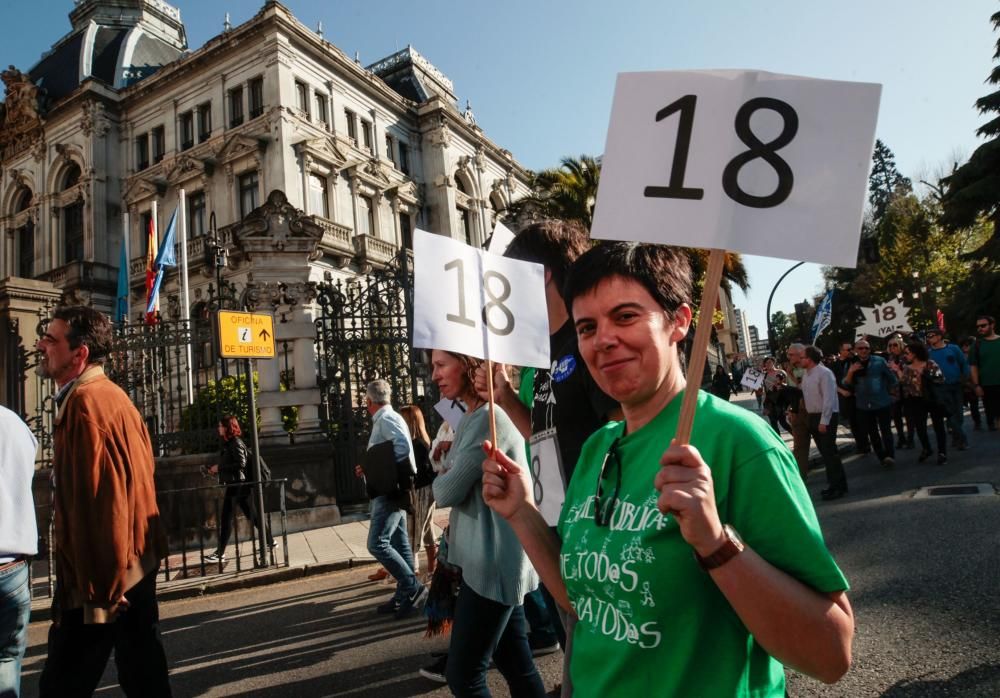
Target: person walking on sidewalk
(388,541)
(873,381)
(489,617)
(951,360)
(233,471)
(986,369)
(819,392)
(18,542)
(108,536)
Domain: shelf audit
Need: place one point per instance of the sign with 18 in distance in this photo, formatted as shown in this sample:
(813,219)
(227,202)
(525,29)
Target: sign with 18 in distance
(745,161)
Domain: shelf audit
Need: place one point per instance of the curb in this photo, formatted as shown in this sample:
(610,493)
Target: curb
(249,581)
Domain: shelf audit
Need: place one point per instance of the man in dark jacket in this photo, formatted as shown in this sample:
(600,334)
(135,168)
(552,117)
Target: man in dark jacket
(873,382)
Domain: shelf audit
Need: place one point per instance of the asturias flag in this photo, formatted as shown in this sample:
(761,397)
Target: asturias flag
(166,257)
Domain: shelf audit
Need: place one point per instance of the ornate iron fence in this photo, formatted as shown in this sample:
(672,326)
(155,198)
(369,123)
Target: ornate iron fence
(363,333)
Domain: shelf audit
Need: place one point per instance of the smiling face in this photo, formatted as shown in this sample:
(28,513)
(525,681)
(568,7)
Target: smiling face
(629,343)
(448,373)
(57,360)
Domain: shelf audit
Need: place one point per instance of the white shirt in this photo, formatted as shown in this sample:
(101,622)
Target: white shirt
(18,446)
(819,391)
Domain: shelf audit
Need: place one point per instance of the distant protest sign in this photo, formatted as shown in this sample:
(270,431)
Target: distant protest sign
(753,379)
(884,319)
(473,302)
(745,161)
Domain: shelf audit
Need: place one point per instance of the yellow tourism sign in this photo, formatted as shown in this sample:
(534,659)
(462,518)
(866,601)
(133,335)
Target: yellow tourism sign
(245,335)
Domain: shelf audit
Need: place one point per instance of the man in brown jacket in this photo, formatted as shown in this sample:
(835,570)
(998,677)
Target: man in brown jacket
(108,537)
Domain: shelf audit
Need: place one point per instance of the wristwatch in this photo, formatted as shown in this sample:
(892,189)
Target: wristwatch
(727,551)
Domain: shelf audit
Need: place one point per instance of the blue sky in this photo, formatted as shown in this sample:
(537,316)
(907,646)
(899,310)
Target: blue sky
(540,74)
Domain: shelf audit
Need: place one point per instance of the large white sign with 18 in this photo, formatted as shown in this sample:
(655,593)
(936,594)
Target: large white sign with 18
(745,161)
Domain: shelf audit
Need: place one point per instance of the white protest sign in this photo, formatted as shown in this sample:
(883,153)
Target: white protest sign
(884,319)
(547,484)
(472,302)
(451,411)
(501,239)
(746,161)
(753,379)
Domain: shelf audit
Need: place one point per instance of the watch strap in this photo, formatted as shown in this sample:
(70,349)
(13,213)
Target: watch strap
(732,547)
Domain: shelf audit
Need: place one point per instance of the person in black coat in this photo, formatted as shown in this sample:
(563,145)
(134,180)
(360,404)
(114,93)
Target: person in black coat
(232,469)
(722,385)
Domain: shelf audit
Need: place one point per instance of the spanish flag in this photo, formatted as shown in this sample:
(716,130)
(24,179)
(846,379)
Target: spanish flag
(151,246)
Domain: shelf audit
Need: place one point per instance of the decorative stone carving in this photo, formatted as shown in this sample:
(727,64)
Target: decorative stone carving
(94,120)
(20,115)
(440,137)
(277,226)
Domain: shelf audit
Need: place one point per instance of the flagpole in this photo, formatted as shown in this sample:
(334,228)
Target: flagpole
(126,232)
(185,297)
(156,246)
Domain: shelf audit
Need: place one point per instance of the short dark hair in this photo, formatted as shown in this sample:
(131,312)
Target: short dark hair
(919,350)
(989,318)
(556,244)
(814,354)
(664,271)
(87,327)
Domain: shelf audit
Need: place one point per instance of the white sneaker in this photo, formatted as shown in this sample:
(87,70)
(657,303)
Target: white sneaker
(215,557)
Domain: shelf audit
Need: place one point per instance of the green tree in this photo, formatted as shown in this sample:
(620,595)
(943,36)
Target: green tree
(884,181)
(973,190)
(567,192)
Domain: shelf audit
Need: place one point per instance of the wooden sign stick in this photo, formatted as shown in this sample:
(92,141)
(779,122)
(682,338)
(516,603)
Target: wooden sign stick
(696,367)
(493,416)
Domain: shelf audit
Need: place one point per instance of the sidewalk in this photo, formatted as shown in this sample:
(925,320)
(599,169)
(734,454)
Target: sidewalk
(318,551)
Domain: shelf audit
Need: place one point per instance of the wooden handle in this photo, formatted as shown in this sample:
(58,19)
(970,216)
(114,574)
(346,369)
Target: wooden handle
(493,416)
(696,366)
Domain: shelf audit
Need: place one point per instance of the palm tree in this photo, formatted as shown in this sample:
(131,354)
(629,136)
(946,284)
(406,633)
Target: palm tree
(567,192)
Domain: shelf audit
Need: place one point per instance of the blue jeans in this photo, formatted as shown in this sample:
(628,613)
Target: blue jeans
(485,629)
(389,544)
(15,606)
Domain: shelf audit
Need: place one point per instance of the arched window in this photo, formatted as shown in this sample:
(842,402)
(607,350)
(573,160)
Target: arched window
(72,218)
(25,237)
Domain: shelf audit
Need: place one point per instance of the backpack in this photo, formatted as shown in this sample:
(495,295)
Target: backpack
(425,471)
(265,470)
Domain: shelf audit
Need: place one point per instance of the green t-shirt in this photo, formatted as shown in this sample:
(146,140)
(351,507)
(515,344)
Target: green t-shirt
(986,355)
(651,622)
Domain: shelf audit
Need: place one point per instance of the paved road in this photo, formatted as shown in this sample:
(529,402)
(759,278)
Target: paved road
(926,591)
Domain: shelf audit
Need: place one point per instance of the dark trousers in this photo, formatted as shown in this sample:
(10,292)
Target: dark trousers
(240,495)
(78,653)
(972,402)
(917,410)
(904,433)
(541,624)
(836,478)
(991,405)
(876,425)
(849,414)
(485,629)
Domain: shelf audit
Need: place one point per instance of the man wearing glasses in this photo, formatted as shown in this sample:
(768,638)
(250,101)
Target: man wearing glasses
(955,368)
(872,380)
(985,358)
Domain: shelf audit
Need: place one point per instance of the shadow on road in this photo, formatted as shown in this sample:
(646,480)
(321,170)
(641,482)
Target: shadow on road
(983,680)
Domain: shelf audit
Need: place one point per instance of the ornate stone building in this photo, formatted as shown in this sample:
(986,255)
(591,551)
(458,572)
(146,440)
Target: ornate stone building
(120,113)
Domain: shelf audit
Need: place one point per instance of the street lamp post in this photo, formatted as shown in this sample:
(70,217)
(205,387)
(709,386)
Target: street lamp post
(771,343)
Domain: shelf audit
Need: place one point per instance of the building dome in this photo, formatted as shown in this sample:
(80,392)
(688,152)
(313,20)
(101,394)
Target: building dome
(118,42)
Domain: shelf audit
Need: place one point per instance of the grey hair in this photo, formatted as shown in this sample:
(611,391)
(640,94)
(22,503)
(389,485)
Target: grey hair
(379,392)
(797,346)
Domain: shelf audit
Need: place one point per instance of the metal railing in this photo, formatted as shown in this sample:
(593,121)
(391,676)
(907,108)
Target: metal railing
(185,516)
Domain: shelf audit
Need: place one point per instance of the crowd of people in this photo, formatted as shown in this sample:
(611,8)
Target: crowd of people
(659,567)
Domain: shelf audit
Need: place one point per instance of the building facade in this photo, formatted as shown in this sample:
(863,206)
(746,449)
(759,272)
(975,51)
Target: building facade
(120,117)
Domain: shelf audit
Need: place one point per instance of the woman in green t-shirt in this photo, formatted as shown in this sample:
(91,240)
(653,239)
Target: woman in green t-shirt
(655,619)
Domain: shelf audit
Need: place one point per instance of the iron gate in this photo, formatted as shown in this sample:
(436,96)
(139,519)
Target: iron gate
(363,333)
